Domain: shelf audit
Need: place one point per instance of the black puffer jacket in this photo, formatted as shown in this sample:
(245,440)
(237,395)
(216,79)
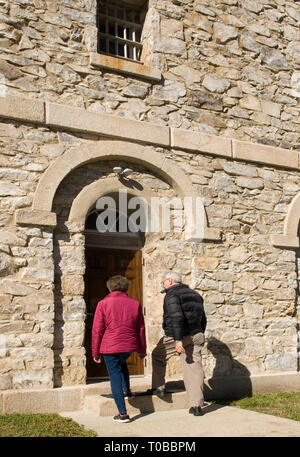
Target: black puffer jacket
(183,312)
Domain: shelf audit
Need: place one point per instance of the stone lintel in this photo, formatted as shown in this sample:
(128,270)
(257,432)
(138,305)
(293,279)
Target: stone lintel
(81,120)
(200,142)
(20,108)
(127,67)
(268,155)
(285,241)
(35,218)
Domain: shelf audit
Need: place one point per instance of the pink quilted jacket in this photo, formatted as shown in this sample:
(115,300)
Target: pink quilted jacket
(118,326)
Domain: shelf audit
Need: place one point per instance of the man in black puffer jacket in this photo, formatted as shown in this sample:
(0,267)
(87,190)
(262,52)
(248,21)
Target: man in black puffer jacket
(184,324)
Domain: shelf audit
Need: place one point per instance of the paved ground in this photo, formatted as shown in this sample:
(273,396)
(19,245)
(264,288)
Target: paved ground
(217,421)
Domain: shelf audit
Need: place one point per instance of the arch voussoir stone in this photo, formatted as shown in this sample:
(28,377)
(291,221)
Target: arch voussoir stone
(289,238)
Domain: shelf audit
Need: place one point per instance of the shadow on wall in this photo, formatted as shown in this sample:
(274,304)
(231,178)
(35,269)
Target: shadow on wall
(235,384)
(230,378)
(58,344)
(296,312)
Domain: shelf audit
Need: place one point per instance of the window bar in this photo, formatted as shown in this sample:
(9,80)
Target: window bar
(98,28)
(106,29)
(129,43)
(124,33)
(134,47)
(116,32)
(122,21)
(122,40)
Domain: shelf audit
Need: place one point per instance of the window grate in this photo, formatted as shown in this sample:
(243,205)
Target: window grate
(120,29)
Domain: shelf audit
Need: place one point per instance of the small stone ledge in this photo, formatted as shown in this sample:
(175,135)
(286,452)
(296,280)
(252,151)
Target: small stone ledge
(285,241)
(104,124)
(20,108)
(35,218)
(212,234)
(208,234)
(126,67)
(40,401)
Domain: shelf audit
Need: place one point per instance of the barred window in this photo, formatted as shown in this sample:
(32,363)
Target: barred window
(120,25)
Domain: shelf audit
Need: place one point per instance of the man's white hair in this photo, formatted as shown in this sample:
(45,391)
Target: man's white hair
(175,277)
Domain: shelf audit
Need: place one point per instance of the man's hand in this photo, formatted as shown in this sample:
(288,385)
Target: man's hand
(97,359)
(179,348)
(141,355)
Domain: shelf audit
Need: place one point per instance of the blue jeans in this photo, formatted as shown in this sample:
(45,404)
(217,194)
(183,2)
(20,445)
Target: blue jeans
(119,377)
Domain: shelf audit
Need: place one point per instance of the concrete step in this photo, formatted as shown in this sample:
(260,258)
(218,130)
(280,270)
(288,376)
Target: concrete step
(104,405)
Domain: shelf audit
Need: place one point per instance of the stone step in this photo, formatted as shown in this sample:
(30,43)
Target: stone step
(104,405)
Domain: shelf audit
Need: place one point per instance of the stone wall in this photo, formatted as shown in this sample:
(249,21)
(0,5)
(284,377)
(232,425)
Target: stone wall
(229,67)
(250,288)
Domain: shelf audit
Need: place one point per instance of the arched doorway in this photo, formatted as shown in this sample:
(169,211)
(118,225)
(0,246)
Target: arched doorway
(68,190)
(107,254)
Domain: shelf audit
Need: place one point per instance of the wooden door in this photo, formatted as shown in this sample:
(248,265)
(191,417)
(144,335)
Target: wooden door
(101,264)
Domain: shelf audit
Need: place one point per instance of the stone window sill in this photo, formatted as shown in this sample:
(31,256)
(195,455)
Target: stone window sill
(123,66)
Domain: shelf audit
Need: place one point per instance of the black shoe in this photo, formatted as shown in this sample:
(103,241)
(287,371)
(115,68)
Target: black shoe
(121,418)
(196,410)
(158,392)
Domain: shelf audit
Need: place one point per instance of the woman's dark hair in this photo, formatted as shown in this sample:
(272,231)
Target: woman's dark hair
(117,282)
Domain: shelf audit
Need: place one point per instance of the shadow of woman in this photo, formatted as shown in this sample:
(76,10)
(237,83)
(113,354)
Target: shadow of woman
(230,378)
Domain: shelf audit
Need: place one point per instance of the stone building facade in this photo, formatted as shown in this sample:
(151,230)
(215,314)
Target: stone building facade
(210,110)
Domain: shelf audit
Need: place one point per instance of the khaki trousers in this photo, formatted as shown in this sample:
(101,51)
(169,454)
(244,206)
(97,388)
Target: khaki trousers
(191,363)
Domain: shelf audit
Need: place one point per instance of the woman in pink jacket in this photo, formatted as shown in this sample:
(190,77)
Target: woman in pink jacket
(118,330)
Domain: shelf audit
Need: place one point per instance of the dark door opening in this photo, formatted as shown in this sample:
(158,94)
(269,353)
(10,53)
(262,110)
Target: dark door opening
(102,263)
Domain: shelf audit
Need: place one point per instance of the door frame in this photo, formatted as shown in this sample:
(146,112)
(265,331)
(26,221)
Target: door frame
(117,242)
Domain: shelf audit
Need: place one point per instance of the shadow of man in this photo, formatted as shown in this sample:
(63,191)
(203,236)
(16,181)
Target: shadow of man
(230,378)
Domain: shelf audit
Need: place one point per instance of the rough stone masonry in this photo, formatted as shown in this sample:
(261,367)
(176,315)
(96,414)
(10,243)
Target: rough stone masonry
(229,69)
